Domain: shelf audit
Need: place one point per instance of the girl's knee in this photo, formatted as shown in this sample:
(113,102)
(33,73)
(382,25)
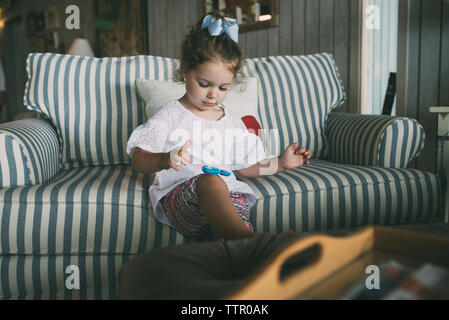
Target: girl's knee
(209,182)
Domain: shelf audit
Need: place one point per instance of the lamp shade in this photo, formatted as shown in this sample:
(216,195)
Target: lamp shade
(81,47)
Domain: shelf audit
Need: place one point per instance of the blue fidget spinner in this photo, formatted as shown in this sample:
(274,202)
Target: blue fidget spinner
(215,171)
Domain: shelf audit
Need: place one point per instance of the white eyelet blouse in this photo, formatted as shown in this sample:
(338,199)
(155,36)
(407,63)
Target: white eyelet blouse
(225,144)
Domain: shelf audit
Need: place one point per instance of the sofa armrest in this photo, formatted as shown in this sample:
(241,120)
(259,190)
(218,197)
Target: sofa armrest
(29,152)
(373,140)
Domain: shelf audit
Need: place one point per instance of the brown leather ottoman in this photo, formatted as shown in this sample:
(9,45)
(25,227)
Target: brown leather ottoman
(207,270)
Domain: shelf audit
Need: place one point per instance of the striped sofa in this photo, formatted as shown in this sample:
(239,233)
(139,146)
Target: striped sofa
(69,197)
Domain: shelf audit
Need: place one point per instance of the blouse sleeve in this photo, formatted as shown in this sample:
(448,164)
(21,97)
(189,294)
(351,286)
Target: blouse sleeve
(151,136)
(249,148)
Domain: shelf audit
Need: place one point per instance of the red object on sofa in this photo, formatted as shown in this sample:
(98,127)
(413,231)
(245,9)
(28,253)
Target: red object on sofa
(253,125)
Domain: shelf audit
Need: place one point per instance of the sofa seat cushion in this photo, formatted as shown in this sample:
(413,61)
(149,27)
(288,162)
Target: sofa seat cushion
(92,210)
(329,196)
(106,209)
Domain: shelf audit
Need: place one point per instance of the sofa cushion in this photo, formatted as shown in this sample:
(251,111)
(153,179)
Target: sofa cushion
(93,210)
(373,140)
(30,152)
(328,196)
(91,101)
(106,209)
(94,106)
(241,99)
(296,94)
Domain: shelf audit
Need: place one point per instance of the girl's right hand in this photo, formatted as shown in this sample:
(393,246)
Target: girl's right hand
(179,154)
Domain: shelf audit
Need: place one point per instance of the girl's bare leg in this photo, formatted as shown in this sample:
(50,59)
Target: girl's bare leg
(217,207)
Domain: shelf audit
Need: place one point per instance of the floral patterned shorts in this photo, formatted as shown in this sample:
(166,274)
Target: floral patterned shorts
(182,208)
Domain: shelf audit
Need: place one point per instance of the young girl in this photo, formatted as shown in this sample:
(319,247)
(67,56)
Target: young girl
(197,130)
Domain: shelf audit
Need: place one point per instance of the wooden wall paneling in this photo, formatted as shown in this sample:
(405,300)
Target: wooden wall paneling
(285,29)
(313,26)
(341,44)
(156,40)
(150,15)
(305,27)
(429,79)
(413,35)
(262,43)
(403,42)
(176,27)
(326,35)
(444,56)
(299,27)
(251,44)
(160,27)
(167,27)
(195,12)
(273,40)
(170,30)
(171,16)
(182,27)
(166,37)
(355,39)
(380,51)
(242,43)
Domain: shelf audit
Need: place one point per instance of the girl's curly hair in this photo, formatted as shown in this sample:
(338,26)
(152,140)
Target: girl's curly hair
(199,47)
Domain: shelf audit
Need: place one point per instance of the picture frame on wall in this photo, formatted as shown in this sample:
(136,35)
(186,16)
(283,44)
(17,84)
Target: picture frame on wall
(121,27)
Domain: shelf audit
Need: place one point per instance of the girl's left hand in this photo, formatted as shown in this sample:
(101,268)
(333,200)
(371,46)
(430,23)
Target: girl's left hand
(294,156)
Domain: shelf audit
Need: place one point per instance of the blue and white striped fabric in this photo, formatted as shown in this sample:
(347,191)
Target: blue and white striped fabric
(402,141)
(89,210)
(30,152)
(44,277)
(295,95)
(97,217)
(327,196)
(95,213)
(373,140)
(94,105)
(92,102)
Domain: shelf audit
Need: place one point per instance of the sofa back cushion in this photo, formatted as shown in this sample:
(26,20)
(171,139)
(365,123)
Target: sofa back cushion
(91,101)
(295,96)
(94,105)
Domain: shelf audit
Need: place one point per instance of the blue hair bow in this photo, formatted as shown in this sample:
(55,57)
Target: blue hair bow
(217,27)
